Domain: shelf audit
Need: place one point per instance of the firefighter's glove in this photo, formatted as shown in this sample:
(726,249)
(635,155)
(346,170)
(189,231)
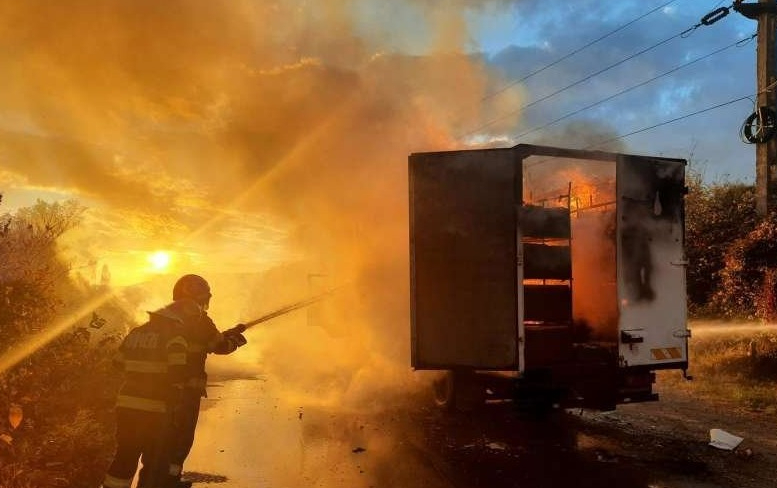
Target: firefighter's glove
(235,338)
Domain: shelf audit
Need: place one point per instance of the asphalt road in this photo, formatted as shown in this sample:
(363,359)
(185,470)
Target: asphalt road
(251,436)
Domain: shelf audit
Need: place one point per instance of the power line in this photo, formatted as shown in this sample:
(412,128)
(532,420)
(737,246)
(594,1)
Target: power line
(634,87)
(706,20)
(560,90)
(654,126)
(670,121)
(713,16)
(569,55)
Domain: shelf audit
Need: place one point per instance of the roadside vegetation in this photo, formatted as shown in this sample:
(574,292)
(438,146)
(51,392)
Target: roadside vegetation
(56,391)
(731,363)
(56,396)
(731,280)
(731,252)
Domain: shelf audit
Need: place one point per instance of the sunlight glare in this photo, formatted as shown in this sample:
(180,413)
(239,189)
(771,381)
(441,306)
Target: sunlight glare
(159,260)
(36,342)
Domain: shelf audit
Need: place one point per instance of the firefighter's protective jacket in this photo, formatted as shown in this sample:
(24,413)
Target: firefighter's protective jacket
(202,337)
(154,359)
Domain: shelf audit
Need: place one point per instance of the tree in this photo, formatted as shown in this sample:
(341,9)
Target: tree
(748,279)
(58,398)
(716,215)
(31,268)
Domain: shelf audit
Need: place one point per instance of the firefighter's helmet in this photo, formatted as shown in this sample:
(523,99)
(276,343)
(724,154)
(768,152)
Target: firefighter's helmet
(194,287)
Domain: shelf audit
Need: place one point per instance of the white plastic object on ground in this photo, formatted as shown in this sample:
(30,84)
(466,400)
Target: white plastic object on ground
(723,440)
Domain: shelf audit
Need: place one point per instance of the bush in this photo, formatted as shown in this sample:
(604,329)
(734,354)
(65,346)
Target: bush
(748,278)
(716,215)
(56,398)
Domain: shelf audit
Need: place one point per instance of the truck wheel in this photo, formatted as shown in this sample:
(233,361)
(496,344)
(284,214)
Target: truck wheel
(443,389)
(458,390)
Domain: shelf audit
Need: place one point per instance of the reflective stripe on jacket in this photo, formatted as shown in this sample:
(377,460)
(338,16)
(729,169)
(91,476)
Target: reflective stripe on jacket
(202,338)
(153,357)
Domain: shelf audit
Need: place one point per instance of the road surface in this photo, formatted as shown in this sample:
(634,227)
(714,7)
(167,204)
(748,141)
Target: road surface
(251,437)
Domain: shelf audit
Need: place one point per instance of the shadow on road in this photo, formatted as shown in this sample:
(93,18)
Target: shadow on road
(496,447)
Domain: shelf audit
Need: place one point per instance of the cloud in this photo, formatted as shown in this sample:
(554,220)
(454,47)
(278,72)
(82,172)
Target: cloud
(242,136)
(712,137)
(245,134)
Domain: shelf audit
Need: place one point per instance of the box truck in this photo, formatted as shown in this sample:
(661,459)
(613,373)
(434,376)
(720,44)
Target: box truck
(546,276)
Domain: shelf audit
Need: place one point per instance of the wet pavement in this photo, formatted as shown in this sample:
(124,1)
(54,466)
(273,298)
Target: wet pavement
(250,436)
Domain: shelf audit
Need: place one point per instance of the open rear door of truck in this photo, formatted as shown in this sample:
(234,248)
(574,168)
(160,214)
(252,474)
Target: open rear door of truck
(651,262)
(463,259)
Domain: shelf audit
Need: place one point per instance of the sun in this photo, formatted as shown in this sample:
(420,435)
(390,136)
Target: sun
(160,260)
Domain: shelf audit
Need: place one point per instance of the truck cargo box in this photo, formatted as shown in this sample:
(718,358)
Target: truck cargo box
(530,256)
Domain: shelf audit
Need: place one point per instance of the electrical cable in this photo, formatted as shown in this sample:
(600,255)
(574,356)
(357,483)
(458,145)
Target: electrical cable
(761,125)
(670,121)
(708,19)
(572,53)
(654,126)
(738,43)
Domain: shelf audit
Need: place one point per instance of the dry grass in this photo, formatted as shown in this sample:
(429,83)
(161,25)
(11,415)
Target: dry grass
(732,362)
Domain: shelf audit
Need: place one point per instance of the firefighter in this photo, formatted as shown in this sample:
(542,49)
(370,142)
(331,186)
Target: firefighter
(153,357)
(203,338)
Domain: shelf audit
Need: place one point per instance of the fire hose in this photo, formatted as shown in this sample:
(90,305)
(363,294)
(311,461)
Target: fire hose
(240,328)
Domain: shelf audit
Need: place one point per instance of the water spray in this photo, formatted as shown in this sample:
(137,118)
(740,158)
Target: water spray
(288,308)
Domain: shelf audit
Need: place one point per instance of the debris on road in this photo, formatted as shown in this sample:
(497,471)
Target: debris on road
(605,457)
(497,446)
(746,453)
(723,440)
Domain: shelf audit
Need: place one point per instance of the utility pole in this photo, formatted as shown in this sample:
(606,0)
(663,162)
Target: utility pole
(765,12)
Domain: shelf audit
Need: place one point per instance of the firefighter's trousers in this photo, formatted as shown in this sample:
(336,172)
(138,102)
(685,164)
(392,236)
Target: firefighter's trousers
(140,435)
(184,425)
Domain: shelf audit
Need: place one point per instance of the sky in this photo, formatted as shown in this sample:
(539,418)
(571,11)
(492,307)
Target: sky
(709,140)
(270,138)
(239,136)
(164,117)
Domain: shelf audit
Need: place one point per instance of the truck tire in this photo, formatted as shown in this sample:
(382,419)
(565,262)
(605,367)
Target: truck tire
(458,390)
(443,390)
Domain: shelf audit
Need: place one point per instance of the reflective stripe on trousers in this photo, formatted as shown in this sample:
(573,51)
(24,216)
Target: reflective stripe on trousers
(140,403)
(114,482)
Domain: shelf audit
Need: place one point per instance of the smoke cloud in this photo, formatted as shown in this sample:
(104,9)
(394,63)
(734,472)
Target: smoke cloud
(261,142)
(265,144)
